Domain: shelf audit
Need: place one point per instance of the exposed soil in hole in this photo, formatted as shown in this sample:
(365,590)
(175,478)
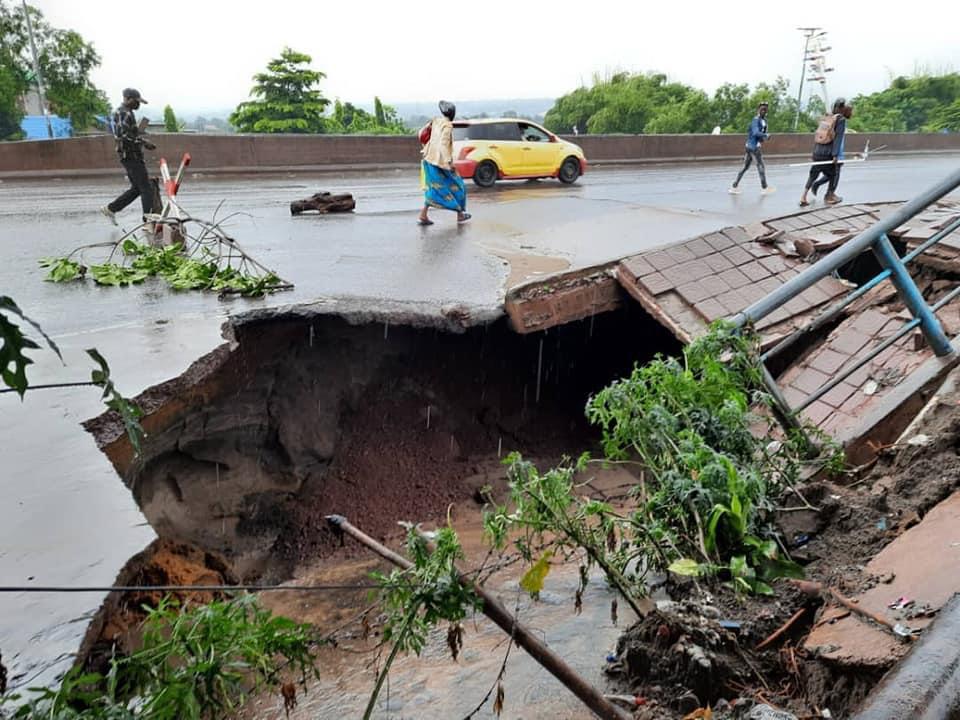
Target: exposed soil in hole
(115,627)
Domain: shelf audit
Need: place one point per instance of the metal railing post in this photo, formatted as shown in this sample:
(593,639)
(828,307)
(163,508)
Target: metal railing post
(911,296)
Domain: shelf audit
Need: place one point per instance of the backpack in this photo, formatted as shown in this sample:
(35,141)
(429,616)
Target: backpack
(425,133)
(826,130)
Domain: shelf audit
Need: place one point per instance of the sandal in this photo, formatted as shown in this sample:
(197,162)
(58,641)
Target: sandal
(804,203)
(463,218)
(423,222)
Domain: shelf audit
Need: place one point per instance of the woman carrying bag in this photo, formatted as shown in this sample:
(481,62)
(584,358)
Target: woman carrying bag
(442,187)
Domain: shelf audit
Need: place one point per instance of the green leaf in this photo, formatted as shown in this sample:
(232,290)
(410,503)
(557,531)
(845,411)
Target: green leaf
(13,363)
(63,269)
(687,567)
(532,581)
(739,567)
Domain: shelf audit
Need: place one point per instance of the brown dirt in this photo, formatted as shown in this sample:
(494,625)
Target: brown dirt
(115,627)
(426,469)
(858,516)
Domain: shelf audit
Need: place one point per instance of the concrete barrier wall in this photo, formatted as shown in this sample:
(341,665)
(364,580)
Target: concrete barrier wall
(252,153)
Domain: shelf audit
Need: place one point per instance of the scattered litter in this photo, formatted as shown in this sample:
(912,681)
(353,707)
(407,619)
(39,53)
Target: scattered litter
(882,524)
(900,603)
(730,625)
(826,713)
(765,712)
(871,387)
(629,700)
(801,540)
(903,631)
(836,497)
(920,440)
(611,657)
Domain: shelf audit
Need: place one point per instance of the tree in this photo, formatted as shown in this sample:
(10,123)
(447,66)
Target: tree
(379,113)
(910,104)
(288,99)
(170,122)
(66,61)
(348,119)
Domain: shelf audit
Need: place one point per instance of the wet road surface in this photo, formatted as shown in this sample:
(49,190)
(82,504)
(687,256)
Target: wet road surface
(65,518)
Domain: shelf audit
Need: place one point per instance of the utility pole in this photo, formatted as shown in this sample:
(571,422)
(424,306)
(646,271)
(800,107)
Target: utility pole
(36,70)
(814,53)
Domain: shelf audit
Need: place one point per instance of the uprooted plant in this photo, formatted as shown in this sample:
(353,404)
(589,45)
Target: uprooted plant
(420,597)
(206,259)
(195,663)
(708,480)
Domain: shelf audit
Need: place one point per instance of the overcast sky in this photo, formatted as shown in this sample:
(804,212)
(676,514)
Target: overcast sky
(201,54)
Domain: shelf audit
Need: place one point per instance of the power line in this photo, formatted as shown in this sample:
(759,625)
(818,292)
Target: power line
(177,588)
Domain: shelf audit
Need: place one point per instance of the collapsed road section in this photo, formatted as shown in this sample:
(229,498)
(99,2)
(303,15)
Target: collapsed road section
(306,412)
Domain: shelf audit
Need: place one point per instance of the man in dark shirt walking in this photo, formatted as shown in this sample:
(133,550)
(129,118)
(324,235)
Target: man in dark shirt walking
(130,149)
(828,153)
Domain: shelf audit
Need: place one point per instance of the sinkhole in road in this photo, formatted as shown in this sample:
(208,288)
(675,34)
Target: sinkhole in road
(299,417)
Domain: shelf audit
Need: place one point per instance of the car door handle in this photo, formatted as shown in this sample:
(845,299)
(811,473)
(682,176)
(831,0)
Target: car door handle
(494,147)
(527,148)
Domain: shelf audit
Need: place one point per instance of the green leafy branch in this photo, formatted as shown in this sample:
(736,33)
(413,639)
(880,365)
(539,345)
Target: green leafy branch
(206,271)
(195,663)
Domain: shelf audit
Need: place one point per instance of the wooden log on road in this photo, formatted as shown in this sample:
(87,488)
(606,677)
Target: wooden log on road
(323,203)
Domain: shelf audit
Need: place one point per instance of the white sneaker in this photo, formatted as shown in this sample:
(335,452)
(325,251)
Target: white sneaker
(111,216)
(769,190)
(734,190)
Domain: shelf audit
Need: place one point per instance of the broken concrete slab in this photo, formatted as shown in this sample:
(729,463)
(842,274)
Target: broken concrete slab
(563,298)
(924,563)
(689,285)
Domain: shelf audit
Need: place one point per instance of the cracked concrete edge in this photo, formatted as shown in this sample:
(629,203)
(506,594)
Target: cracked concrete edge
(450,316)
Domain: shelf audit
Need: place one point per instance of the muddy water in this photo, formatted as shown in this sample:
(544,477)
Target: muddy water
(433,685)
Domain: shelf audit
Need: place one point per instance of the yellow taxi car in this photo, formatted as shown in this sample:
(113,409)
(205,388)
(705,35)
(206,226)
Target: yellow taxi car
(512,149)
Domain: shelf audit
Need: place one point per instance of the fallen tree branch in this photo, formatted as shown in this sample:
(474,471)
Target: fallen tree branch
(494,610)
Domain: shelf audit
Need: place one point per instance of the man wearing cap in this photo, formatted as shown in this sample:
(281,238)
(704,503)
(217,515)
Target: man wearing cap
(756,135)
(130,149)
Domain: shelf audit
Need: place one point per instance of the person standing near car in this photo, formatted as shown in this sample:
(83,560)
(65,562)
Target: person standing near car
(130,146)
(756,135)
(828,142)
(442,186)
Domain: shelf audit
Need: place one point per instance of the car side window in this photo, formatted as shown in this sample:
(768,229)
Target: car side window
(533,134)
(505,131)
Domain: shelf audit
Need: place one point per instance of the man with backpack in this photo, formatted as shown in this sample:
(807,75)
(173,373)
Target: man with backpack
(828,152)
(756,135)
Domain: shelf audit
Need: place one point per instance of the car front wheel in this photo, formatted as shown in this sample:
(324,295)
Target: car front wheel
(485,174)
(569,170)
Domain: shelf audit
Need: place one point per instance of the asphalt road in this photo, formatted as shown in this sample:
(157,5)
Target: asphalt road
(65,517)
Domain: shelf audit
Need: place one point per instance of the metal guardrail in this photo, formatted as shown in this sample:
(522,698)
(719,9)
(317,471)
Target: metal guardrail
(894,268)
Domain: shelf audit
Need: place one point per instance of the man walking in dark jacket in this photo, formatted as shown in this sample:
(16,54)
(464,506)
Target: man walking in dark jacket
(828,151)
(756,135)
(130,149)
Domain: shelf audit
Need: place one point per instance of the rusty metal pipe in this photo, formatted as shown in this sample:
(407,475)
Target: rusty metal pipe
(926,684)
(495,610)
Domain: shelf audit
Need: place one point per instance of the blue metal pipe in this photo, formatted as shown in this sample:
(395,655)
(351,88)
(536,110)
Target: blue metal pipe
(911,296)
(841,256)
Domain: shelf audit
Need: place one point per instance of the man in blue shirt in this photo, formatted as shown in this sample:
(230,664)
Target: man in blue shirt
(756,136)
